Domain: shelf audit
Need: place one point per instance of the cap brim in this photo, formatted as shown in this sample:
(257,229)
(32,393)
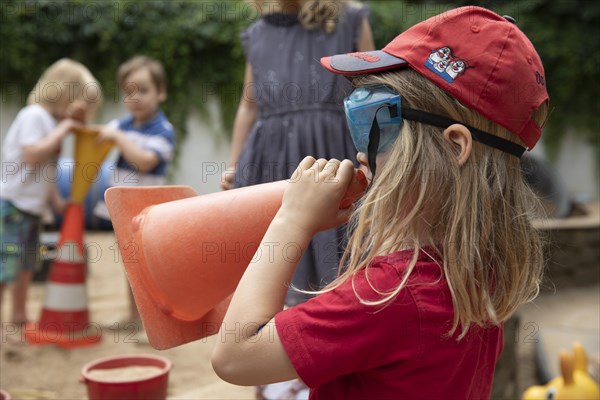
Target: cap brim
(362,63)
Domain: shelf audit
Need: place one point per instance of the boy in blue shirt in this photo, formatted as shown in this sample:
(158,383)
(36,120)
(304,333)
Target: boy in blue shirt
(144,137)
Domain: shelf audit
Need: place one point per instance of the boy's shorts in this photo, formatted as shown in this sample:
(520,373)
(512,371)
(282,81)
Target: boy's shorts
(19,241)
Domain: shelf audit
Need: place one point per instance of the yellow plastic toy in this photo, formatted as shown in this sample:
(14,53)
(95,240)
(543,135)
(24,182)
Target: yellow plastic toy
(574,382)
(89,155)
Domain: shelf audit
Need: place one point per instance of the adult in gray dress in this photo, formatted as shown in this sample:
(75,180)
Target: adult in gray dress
(291,107)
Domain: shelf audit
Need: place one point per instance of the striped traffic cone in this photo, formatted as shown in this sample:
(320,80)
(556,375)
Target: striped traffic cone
(65,318)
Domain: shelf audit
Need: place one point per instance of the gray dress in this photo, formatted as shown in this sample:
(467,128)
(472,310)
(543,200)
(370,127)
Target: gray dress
(300,114)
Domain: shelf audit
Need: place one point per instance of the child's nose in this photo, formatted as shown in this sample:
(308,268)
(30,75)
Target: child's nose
(363,160)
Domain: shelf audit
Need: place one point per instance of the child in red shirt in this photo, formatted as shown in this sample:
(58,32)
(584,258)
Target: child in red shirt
(441,250)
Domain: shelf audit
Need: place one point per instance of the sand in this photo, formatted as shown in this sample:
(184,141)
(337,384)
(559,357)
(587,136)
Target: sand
(50,372)
(124,374)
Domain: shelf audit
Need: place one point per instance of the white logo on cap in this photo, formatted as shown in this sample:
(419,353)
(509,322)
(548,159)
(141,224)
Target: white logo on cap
(444,63)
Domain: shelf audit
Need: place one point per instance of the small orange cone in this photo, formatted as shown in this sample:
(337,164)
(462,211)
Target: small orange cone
(65,319)
(185,254)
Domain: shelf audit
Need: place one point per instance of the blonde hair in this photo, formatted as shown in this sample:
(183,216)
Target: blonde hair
(312,14)
(321,14)
(65,82)
(476,216)
(155,68)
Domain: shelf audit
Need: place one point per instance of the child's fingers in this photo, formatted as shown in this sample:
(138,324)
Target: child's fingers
(313,171)
(101,136)
(320,164)
(304,165)
(345,172)
(307,162)
(331,167)
(347,165)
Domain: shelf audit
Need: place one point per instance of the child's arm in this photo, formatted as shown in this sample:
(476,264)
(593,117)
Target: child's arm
(244,119)
(243,355)
(49,146)
(144,160)
(57,202)
(365,41)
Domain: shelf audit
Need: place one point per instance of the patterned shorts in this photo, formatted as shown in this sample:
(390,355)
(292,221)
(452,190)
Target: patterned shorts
(19,241)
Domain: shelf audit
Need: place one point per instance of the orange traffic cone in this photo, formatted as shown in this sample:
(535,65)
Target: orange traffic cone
(184,254)
(65,318)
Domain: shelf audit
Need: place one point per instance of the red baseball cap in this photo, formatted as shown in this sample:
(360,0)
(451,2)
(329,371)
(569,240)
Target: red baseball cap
(480,58)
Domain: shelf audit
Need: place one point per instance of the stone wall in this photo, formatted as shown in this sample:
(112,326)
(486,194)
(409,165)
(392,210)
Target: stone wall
(573,249)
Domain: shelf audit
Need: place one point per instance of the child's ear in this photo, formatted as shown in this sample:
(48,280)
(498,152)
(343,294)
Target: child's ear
(162,95)
(460,135)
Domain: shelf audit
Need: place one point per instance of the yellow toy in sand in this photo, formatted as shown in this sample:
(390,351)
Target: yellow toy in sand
(575,382)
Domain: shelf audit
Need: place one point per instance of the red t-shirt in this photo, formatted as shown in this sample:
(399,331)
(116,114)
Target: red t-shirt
(343,349)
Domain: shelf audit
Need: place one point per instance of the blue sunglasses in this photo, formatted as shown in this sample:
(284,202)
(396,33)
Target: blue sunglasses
(369,104)
(375,115)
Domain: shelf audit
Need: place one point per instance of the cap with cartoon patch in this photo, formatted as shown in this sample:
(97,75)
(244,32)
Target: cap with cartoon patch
(480,58)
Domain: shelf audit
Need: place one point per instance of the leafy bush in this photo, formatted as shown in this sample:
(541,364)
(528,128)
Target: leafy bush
(198,43)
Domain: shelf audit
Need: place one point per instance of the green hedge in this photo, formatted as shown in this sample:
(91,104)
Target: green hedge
(198,42)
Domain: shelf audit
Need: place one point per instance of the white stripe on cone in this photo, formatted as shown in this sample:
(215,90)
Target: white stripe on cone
(69,252)
(65,297)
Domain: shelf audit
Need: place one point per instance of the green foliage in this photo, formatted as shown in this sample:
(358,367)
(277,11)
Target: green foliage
(198,43)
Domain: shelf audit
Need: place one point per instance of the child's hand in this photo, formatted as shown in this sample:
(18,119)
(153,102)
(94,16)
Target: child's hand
(312,199)
(67,125)
(227,178)
(108,133)
(57,202)
(77,110)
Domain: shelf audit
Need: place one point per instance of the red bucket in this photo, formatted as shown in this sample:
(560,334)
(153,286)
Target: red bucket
(131,388)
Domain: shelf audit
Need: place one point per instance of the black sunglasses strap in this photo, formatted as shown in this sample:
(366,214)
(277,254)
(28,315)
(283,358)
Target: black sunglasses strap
(482,137)
(374,135)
